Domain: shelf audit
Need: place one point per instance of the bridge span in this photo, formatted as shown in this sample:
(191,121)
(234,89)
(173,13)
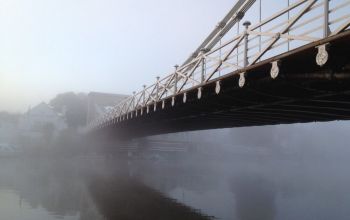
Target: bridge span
(290,67)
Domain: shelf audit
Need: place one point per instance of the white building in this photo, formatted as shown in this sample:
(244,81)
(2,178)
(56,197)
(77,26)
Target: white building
(41,121)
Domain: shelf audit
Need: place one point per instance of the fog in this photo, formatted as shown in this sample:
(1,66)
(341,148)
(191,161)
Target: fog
(54,53)
(297,171)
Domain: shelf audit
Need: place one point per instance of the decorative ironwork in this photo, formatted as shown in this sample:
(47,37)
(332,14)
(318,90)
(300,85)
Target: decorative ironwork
(199,93)
(322,55)
(217,87)
(274,70)
(241,80)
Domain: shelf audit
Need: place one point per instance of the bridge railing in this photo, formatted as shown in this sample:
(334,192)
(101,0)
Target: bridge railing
(300,23)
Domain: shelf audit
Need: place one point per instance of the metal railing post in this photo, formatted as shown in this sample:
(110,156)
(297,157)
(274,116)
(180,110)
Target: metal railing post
(175,79)
(144,95)
(288,15)
(245,61)
(157,89)
(326,30)
(202,51)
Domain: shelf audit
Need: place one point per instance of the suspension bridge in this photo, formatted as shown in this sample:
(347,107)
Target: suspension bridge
(259,66)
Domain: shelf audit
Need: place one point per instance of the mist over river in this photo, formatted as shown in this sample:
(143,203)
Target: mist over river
(243,187)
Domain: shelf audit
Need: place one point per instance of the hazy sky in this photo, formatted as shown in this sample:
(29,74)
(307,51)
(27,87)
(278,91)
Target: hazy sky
(53,46)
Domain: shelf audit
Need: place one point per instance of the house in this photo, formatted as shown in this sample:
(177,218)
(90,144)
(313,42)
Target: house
(8,127)
(41,123)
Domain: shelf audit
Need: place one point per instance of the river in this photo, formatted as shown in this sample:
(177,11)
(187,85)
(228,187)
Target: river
(243,188)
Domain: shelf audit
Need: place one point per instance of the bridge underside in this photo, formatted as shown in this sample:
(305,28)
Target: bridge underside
(302,92)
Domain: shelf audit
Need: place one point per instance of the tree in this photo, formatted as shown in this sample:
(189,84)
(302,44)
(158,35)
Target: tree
(73,106)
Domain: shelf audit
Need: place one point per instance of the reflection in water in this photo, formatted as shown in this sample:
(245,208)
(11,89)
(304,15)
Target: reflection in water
(241,189)
(127,198)
(12,207)
(72,190)
(255,197)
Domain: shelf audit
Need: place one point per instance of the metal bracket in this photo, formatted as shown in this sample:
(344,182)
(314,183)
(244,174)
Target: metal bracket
(277,35)
(221,25)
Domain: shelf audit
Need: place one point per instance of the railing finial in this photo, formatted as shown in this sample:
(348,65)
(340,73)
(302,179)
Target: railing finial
(246,24)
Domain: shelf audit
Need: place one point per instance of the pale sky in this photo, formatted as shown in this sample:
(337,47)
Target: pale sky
(116,46)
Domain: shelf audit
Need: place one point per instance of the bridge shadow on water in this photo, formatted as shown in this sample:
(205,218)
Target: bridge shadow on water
(83,190)
(130,199)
